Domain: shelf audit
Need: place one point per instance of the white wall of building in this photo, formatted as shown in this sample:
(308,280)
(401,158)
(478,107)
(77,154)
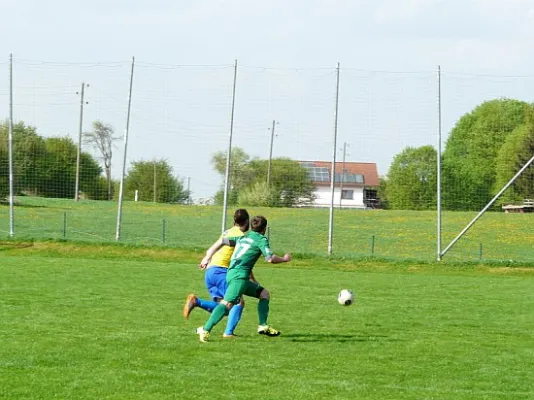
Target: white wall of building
(323,195)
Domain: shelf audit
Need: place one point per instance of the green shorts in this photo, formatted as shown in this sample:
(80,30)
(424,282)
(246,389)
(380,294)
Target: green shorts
(237,287)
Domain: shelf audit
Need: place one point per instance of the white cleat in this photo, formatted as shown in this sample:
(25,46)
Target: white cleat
(203,335)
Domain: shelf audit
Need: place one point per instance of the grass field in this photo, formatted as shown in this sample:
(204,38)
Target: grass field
(398,235)
(103,322)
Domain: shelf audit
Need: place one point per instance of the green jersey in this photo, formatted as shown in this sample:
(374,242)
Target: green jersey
(247,250)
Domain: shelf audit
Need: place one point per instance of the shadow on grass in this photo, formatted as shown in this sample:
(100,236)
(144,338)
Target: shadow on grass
(340,338)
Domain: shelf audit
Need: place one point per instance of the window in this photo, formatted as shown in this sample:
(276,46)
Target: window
(347,194)
(317,174)
(350,178)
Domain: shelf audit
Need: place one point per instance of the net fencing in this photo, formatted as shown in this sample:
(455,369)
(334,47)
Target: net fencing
(384,197)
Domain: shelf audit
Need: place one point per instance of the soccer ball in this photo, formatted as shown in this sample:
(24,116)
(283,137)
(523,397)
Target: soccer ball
(345,297)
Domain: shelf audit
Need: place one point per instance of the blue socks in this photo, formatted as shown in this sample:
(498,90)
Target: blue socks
(233,319)
(208,305)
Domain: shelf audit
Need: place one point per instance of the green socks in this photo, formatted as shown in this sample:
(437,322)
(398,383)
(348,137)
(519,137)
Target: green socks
(220,311)
(263,311)
(216,315)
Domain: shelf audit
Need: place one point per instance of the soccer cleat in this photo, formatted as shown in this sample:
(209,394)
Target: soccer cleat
(268,331)
(190,303)
(203,335)
(227,336)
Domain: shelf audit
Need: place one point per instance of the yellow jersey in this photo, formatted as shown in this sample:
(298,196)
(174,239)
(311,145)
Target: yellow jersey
(222,257)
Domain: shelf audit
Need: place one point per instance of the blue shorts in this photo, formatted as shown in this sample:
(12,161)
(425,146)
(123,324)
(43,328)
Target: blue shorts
(215,279)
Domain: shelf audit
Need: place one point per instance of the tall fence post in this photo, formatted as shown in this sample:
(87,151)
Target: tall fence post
(438,186)
(126,131)
(229,155)
(333,169)
(10,150)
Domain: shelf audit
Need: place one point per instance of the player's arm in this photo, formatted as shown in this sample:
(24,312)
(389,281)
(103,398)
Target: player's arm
(214,248)
(270,256)
(278,260)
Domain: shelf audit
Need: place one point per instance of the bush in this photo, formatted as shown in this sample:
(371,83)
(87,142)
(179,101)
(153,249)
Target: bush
(259,195)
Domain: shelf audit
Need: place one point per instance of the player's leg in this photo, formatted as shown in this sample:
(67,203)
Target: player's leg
(234,291)
(216,285)
(234,315)
(192,301)
(255,290)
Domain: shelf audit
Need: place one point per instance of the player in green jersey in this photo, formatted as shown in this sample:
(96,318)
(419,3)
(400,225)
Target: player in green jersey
(248,250)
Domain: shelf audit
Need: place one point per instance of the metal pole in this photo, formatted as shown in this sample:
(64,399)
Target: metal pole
(188,190)
(438,194)
(342,174)
(10,150)
(78,154)
(333,169)
(121,189)
(154,181)
(487,206)
(227,173)
(270,155)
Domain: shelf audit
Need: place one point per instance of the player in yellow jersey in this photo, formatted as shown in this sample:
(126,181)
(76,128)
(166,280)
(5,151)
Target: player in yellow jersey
(215,276)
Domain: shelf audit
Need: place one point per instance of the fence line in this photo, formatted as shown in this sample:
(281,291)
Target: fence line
(179,116)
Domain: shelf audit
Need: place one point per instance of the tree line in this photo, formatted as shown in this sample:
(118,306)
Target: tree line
(484,150)
(289,184)
(486,147)
(47,167)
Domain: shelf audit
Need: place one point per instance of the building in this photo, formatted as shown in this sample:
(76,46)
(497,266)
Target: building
(358,189)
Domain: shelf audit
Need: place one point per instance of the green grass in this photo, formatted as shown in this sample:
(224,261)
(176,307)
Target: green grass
(106,324)
(399,235)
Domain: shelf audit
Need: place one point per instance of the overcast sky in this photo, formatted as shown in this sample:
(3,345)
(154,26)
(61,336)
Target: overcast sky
(287,52)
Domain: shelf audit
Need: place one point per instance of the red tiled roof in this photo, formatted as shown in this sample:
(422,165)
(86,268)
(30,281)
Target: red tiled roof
(368,170)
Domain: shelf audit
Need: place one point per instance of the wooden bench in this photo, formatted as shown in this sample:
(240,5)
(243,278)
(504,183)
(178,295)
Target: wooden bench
(526,207)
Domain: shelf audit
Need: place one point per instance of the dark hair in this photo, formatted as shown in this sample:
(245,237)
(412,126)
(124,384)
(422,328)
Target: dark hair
(259,223)
(241,217)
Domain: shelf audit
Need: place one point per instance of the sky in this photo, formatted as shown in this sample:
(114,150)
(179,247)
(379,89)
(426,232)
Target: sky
(286,52)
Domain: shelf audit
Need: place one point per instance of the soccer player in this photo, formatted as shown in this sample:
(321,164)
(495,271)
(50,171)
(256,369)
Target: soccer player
(248,249)
(215,277)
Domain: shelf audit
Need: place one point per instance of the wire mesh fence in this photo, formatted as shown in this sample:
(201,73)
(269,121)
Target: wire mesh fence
(385,198)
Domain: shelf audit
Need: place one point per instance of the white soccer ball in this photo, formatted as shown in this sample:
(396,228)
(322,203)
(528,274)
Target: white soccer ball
(345,297)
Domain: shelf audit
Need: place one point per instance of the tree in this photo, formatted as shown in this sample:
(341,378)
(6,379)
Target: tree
(28,152)
(58,171)
(45,167)
(154,181)
(288,179)
(259,195)
(240,173)
(411,179)
(382,193)
(218,198)
(289,183)
(512,156)
(102,138)
(469,169)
